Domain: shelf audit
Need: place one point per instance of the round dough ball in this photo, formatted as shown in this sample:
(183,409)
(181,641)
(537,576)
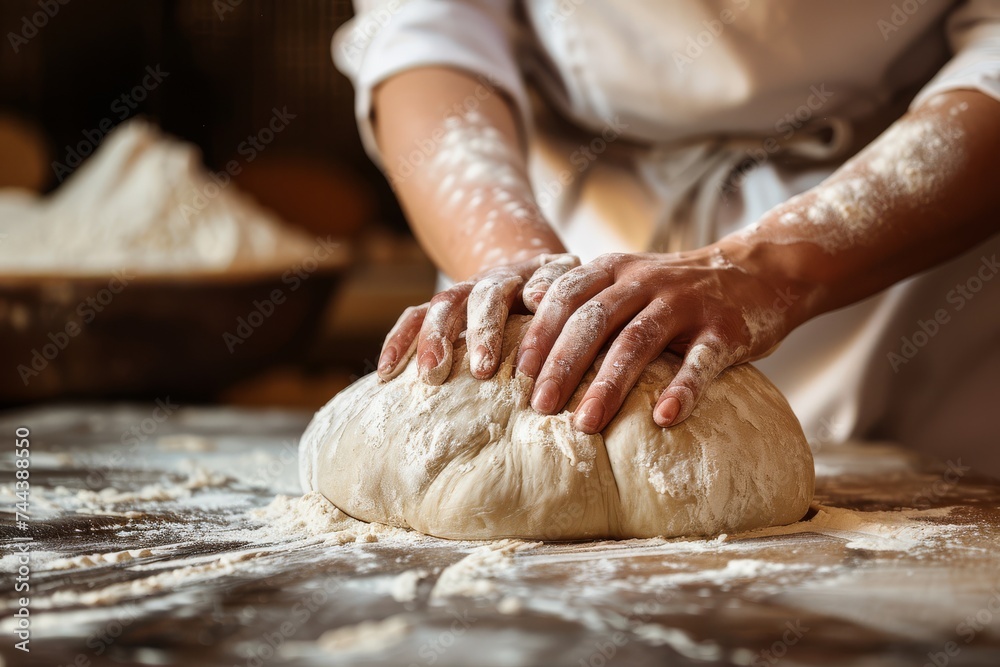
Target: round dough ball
(470,459)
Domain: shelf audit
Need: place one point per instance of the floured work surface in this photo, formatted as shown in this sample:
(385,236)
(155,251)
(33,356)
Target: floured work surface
(157,542)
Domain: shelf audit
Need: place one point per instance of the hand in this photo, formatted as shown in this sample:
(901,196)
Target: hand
(483,301)
(698,304)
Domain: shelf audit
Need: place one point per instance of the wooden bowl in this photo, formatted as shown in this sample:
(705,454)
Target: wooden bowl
(155,335)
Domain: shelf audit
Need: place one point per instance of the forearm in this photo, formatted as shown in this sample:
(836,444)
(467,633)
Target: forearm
(923,192)
(451,149)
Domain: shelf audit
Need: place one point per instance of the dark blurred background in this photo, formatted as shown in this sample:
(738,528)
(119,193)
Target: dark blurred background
(224,66)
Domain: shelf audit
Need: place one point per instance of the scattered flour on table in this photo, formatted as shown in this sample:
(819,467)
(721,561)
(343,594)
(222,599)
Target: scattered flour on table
(659,635)
(198,478)
(467,577)
(737,568)
(97,560)
(510,605)
(186,443)
(270,532)
(404,586)
(366,636)
(315,516)
(900,530)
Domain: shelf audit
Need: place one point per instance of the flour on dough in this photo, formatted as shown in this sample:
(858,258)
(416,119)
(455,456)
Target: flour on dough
(470,459)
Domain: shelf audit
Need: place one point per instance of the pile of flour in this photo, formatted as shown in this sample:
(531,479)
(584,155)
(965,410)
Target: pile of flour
(143,203)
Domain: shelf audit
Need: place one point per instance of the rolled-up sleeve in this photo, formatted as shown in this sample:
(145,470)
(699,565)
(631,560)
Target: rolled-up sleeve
(390,36)
(974,37)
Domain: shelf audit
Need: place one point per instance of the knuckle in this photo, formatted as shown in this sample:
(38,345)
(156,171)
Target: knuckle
(560,369)
(633,287)
(559,258)
(413,313)
(486,288)
(445,297)
(609,259)
(637,336)
(590,318)
(574,281)
(535,337)
(552,271)
(683,390)
(557,300)
(704,352)
(659,307)
(608,390)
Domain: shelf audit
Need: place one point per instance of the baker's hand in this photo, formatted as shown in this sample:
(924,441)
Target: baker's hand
(698,304)
(479,306)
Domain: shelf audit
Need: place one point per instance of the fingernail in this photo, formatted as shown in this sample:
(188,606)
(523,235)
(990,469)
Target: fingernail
(666,412)
(546,397)
(480,360)
(428,361)
(589,416)
(387,360)
(530,362)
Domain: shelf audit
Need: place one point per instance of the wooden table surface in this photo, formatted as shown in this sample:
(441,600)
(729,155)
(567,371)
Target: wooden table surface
(892,588)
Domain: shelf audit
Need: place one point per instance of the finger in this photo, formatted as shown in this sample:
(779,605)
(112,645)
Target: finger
(640,342)
(400,342)
(489,305)
(445,319)
(704,360)
(567,293)
(541,280)
(581,339)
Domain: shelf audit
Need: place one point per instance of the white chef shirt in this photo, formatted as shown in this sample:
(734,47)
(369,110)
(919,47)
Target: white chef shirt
(681,69)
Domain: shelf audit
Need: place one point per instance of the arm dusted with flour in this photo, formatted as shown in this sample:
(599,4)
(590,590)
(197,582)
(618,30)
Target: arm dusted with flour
(452,150)
(920,194)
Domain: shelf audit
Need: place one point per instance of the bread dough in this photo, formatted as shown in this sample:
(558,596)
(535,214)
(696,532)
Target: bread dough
(471,459)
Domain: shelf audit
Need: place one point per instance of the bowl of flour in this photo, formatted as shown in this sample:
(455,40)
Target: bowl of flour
(145,273)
